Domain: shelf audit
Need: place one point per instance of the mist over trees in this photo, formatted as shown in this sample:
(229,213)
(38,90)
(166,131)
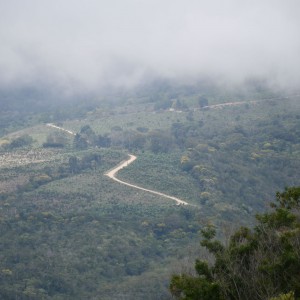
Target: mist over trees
(87,47)
(204,93)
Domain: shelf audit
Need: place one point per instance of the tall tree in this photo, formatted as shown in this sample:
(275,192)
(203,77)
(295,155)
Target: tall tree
(257,264)
(80,142)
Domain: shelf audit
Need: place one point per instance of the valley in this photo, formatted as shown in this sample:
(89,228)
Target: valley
(82,219)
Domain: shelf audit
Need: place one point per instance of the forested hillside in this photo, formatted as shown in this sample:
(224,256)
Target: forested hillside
(70,232)
(262,263)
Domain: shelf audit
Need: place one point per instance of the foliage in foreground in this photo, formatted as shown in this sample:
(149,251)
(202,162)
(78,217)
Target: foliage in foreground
(257,264)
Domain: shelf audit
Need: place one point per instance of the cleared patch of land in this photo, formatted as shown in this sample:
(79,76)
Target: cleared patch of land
(25,157)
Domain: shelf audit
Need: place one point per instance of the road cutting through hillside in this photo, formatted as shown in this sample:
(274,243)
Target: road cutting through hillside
(60,128)
(112,174)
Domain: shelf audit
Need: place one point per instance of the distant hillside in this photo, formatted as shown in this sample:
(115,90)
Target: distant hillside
(70,232)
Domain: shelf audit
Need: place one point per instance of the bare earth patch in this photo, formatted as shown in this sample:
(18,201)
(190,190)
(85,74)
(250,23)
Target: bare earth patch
(25,157)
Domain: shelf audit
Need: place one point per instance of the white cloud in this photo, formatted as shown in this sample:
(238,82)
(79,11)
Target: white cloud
(90,43)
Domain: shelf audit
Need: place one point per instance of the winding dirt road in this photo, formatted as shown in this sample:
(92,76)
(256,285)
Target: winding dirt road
(60,128)
(112,174)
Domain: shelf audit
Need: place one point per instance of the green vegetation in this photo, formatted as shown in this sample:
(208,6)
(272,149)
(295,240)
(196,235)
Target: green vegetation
(19,142)
(257,264)
(69,232)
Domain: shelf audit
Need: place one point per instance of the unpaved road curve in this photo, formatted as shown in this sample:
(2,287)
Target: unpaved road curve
(60,128)
(112,174)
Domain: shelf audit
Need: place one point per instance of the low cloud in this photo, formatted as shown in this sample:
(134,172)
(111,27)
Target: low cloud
(89,44)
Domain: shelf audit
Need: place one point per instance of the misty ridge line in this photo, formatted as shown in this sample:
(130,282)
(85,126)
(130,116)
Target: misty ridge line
(220,105)
(118,43)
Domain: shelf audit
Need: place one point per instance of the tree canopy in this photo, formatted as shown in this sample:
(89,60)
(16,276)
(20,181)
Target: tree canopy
(259,263)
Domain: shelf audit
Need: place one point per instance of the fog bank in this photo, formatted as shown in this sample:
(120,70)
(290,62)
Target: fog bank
(89,44)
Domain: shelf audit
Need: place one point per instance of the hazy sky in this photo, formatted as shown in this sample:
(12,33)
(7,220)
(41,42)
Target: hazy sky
(94,42)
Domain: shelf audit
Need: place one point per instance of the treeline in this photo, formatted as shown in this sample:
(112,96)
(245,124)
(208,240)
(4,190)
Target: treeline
(141,139)
(258,264)
(27,106)
(19,142)
(156,141)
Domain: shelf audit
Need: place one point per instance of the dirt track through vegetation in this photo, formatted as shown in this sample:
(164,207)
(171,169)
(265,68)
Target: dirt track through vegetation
(112,174)
(60,128)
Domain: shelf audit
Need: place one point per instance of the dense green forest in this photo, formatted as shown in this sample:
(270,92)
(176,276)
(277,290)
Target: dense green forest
(69,232)
(262,263)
